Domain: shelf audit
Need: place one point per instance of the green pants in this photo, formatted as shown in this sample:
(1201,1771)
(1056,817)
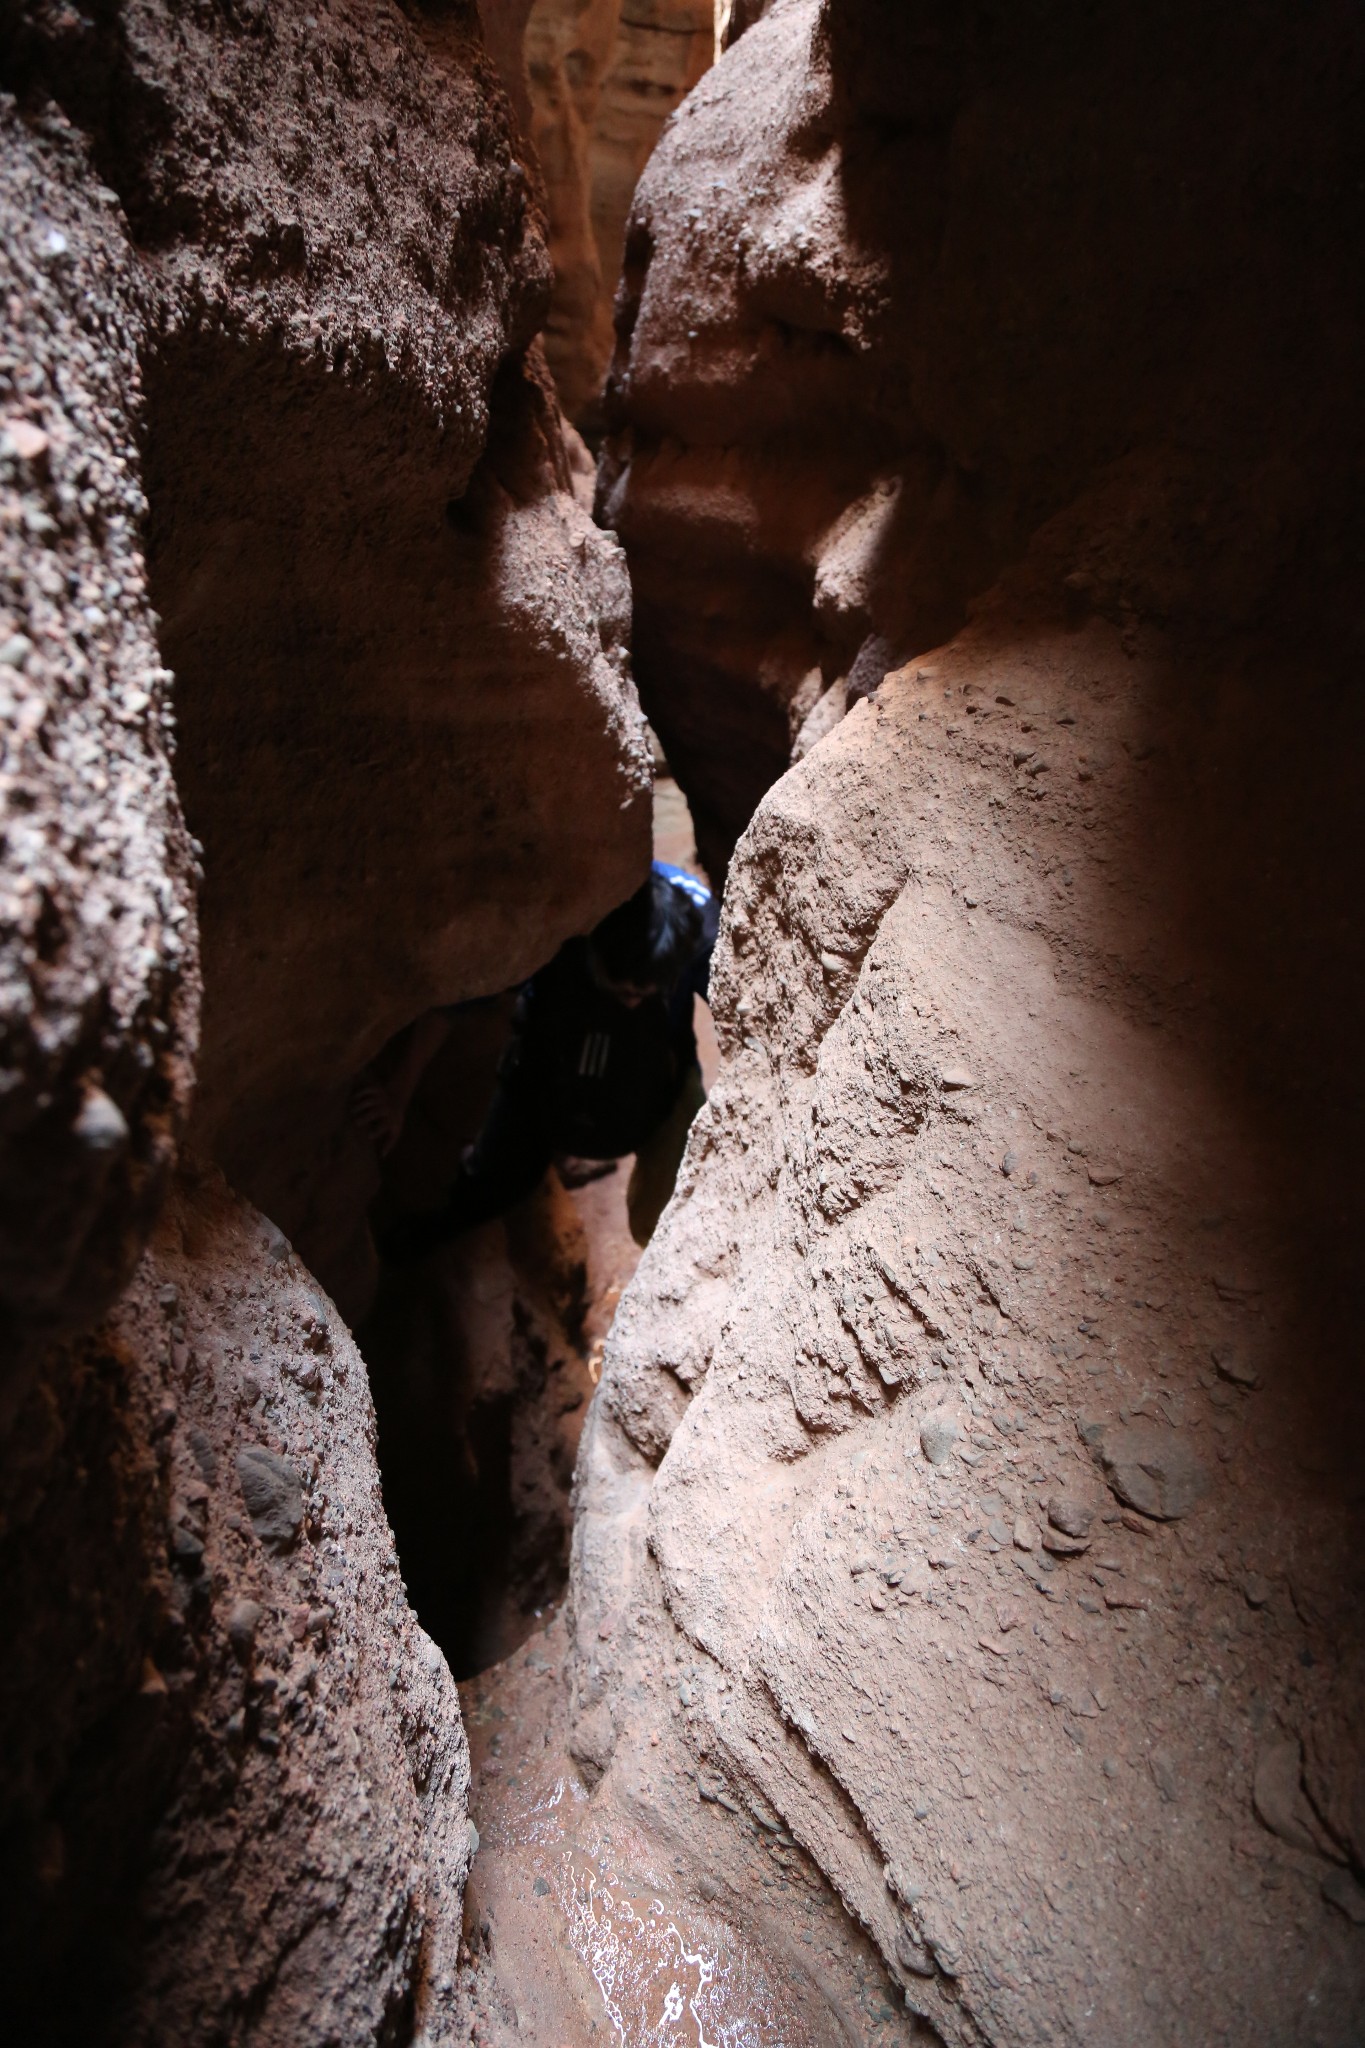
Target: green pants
(658,1159)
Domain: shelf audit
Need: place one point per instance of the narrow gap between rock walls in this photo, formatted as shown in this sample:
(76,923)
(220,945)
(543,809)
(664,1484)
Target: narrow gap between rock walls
(484,1351)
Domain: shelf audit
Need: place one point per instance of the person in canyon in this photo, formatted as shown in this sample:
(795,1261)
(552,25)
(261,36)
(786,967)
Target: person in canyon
(602,1063)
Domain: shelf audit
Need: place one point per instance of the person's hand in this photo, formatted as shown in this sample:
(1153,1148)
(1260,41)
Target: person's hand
(374,1116)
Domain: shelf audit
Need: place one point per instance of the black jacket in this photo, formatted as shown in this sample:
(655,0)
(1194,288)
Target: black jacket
(584,1074)
(604,1076)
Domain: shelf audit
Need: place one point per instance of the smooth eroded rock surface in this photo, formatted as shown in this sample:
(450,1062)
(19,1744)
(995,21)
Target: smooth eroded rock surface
(919,1518)
(899,281)
(990,1735)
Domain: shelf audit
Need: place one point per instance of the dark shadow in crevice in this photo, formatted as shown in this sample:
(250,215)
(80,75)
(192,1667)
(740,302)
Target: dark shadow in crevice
(477,1364)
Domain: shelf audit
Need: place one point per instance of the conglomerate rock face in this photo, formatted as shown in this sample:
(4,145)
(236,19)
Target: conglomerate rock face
(372,575)
(240,1812)
(273,279)
(974,1489)
(361,503)
(99,989)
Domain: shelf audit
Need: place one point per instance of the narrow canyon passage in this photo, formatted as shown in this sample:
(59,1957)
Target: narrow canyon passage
(899,461)
(483,1361)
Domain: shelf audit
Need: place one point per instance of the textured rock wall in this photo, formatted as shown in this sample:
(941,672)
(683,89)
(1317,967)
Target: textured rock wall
(99,987)
(238,1812)
(604,79)
(361,502)
(371,573)
(273,277)
(873,331)
(1005,1502)
(516,618)
(974,1490)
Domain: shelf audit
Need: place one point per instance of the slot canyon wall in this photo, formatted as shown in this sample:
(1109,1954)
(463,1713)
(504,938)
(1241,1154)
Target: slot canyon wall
(293,564)
(604,77)
(973,1503)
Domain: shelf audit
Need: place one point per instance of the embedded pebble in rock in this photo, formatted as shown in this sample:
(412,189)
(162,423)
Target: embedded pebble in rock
(1233,1365)
(1279,1797)
(911,1951)
(1153,1469)
(1070,1515)
(1164,1775)
(273,1493)
(26,440)
(244,1618)
(205,1456)
(937,1436)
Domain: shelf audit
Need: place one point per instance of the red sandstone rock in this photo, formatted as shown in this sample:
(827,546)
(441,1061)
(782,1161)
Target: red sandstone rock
(841,1261)
(301,313)
(1049,904)
(98,951)
(844,327)
(603,81)
(241,1808)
